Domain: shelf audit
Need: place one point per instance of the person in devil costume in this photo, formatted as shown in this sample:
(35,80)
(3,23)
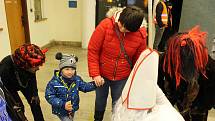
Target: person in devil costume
(18,73)
(187,74)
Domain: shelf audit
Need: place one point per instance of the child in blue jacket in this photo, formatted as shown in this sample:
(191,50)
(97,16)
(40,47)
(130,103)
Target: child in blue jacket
(62,92)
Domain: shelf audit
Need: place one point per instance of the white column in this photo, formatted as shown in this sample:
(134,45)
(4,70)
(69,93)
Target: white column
(88,20)
(150,25)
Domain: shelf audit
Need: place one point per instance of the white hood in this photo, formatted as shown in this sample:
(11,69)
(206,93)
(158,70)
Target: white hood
(114,12)
(142,81)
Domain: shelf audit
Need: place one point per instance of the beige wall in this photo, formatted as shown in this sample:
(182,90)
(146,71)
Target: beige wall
(4,37)
(40,32)
(62,24)
(66,22)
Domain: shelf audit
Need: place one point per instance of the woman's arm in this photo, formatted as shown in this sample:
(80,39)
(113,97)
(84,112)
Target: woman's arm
(94,49)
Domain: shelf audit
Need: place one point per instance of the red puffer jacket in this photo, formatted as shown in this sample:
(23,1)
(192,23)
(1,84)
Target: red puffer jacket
(104,56)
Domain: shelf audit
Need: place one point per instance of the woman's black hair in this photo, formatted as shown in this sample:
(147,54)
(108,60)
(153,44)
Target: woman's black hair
(131,18)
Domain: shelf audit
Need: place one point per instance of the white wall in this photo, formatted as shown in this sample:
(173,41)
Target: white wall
(4,37)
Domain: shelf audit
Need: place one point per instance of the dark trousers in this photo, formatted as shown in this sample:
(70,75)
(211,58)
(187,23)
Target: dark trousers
(35,108)
(102,92)
(196,115)
(158,36)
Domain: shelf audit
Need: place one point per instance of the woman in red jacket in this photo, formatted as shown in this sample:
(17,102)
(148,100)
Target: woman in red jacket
(114,47)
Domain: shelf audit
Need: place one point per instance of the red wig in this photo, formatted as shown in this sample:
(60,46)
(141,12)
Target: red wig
(29,56)
(185,50)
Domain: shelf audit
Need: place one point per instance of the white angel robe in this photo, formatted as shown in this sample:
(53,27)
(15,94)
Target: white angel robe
(142,99)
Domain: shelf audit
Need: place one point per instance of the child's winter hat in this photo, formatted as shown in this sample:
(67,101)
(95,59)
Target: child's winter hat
(66,60)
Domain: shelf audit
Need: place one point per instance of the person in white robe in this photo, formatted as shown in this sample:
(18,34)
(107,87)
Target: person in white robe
(142,99)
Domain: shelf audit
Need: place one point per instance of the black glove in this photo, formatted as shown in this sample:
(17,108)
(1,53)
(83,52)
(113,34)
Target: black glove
(35,99)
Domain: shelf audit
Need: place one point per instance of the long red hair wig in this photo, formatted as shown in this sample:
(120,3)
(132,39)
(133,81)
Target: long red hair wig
(186,55)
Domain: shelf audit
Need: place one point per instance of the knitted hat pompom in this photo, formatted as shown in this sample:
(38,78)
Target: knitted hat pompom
(76,58)
(58,56)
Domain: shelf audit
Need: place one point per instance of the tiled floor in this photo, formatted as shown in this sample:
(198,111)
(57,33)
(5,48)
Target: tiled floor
(85,113)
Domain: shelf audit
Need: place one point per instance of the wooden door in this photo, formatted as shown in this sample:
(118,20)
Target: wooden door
(15,23)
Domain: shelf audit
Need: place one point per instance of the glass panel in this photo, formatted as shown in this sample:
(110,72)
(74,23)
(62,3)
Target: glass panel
(37,10)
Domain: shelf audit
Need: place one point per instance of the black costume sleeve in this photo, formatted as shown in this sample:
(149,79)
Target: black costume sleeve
(7,73)
(209,86)
(161,77)
(165,82)
(206,96)
(33,85)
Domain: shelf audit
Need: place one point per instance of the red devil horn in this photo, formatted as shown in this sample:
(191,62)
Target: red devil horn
(44,50)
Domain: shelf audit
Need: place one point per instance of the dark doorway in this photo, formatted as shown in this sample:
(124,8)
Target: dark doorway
(176,16)
(102,6)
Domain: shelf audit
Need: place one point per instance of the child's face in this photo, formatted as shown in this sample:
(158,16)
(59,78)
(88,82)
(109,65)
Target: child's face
(68,72)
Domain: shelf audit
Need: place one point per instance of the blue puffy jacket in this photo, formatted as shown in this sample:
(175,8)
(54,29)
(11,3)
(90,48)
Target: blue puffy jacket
(58,93)
(3,112)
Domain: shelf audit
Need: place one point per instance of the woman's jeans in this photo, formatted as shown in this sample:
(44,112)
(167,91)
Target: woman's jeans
(103,91)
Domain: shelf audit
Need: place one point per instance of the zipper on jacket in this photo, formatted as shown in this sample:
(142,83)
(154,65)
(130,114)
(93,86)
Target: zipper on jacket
(116,64)
(117,59)
(68,88)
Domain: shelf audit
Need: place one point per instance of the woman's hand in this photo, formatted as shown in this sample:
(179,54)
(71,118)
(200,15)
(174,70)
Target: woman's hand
(99,81)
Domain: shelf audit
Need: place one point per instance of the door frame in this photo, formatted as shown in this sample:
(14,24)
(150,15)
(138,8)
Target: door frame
(26,22)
